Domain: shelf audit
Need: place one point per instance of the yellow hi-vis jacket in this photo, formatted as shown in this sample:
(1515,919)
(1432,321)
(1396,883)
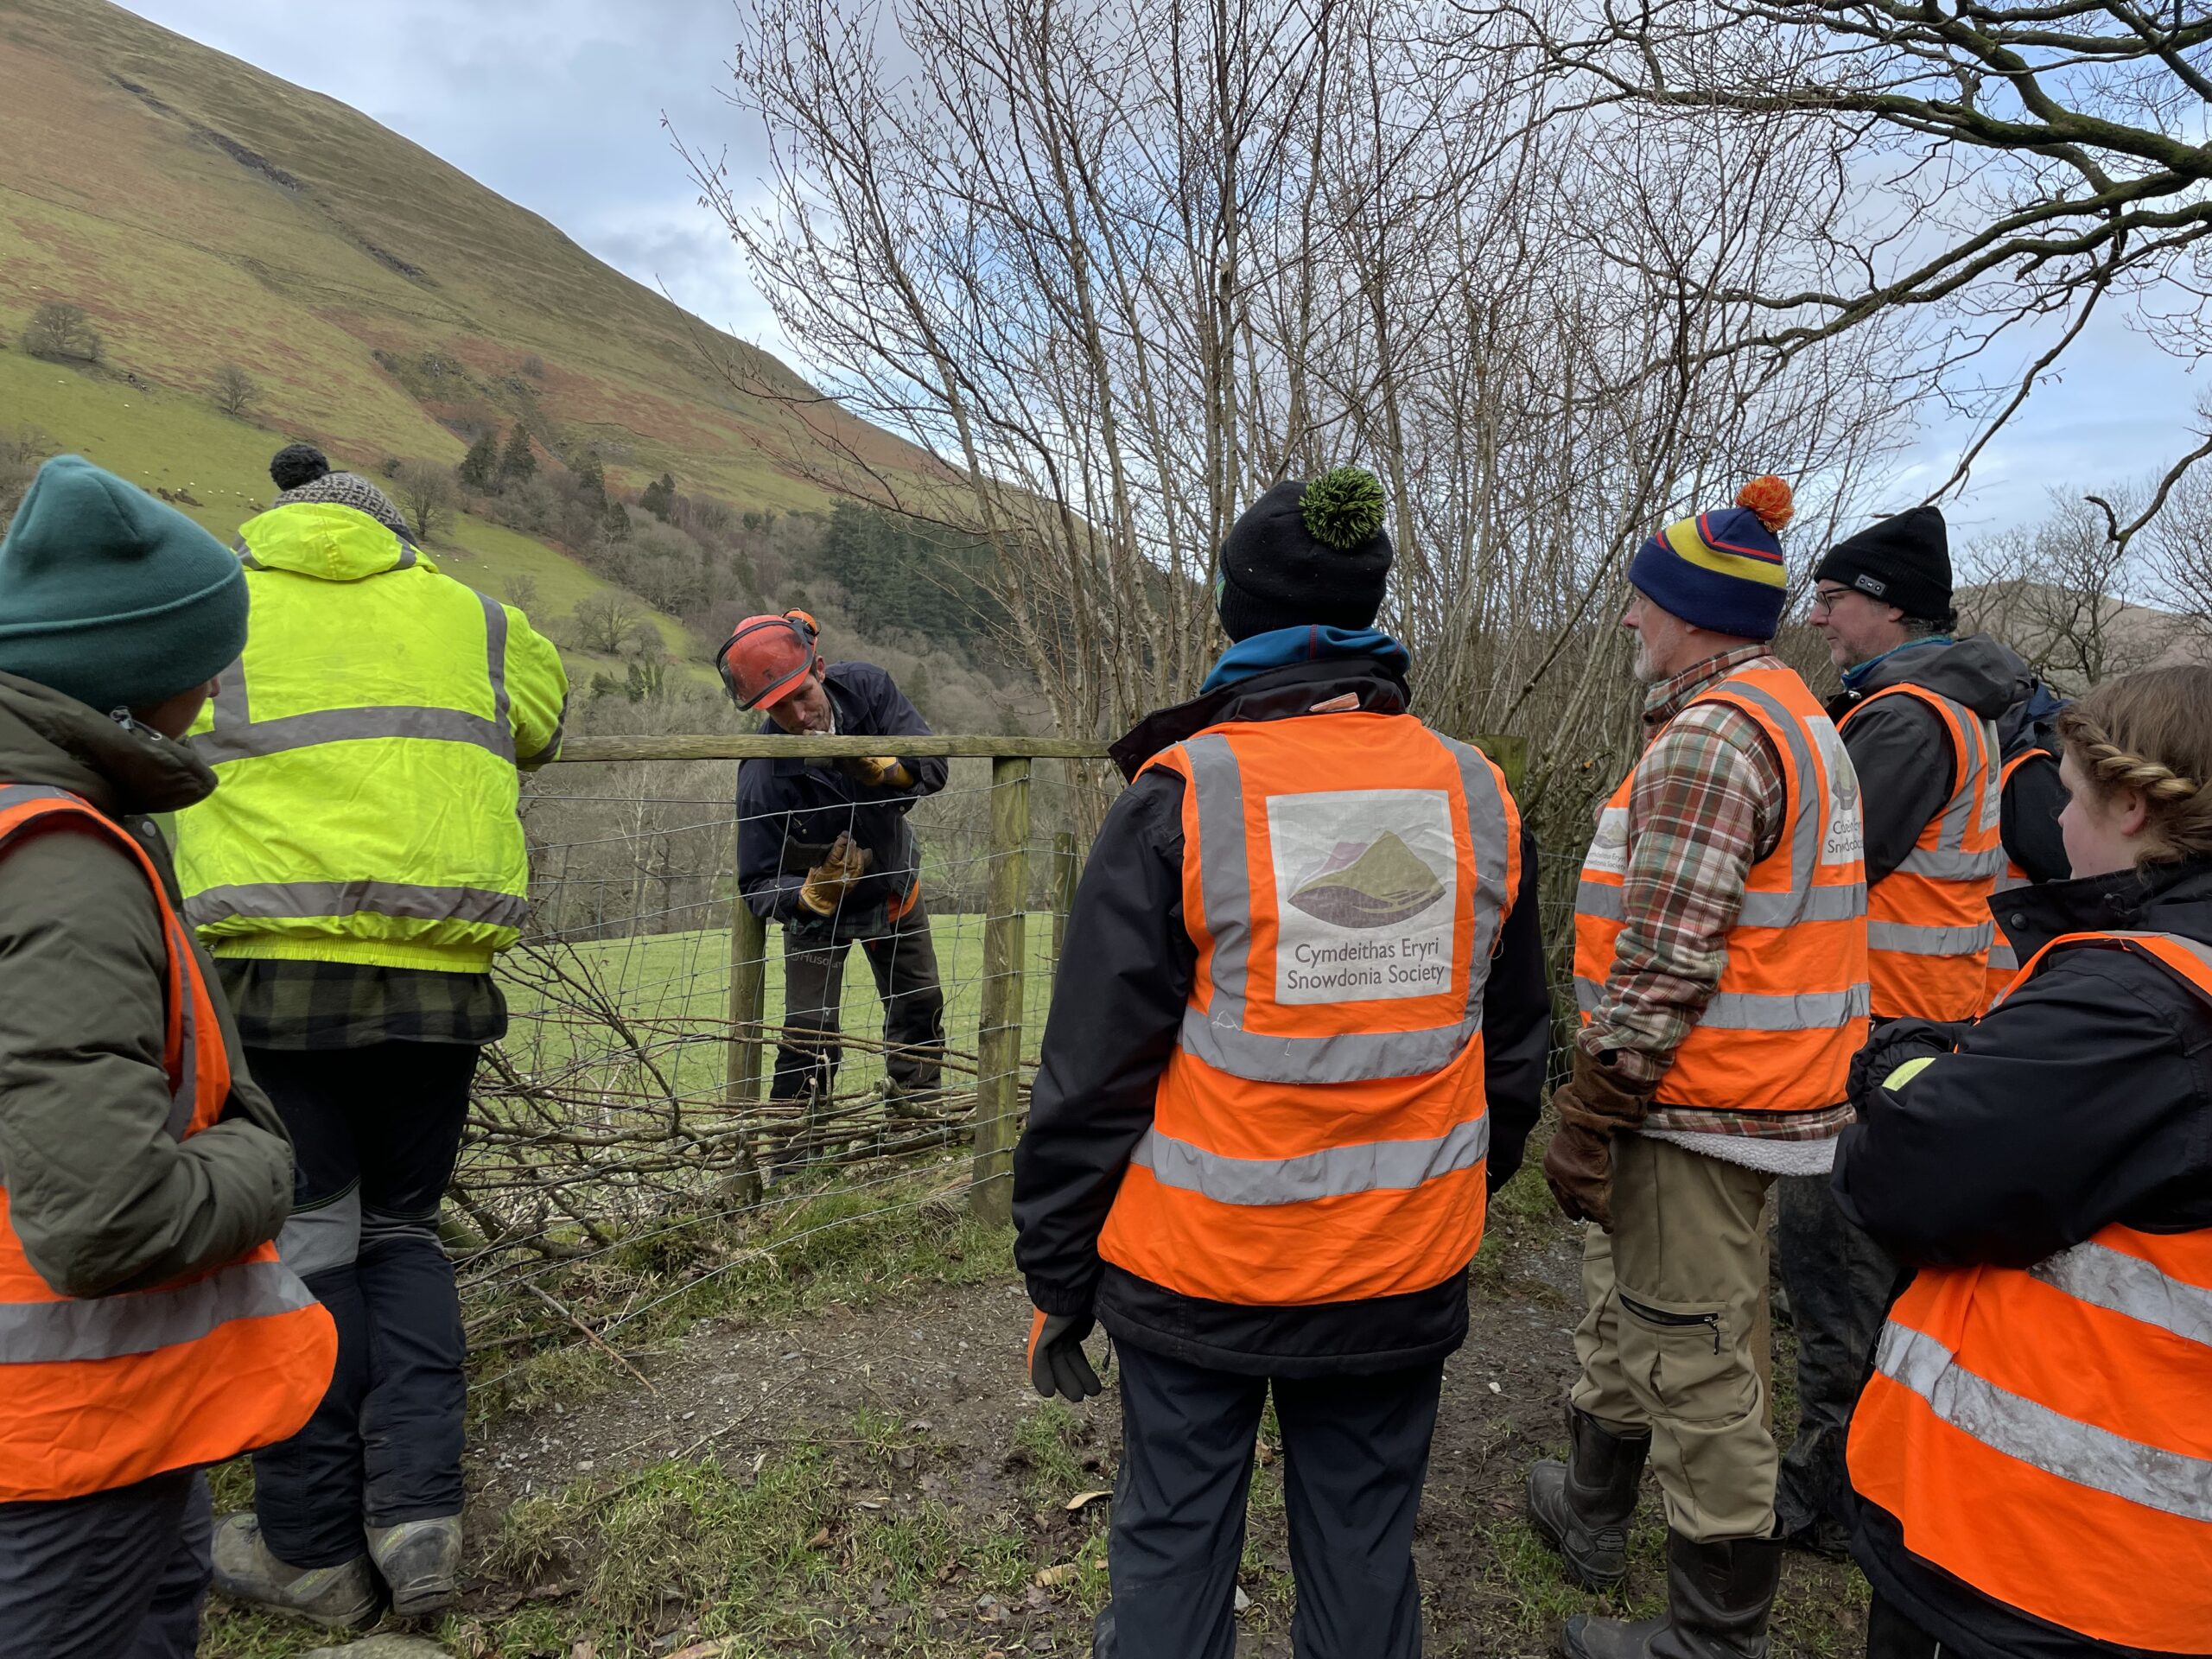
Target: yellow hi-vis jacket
(367,743)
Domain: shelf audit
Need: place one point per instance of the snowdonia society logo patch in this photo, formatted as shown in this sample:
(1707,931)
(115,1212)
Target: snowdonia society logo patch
(1366,891)
(1368,884)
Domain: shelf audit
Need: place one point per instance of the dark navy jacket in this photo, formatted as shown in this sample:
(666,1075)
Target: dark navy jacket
(790,810)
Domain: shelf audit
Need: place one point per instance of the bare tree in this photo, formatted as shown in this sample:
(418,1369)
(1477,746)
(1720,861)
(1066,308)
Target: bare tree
(2001,168)
(1112,282)
(234,391)
(62,333)
(605,621)
(426,491)
(2064,592)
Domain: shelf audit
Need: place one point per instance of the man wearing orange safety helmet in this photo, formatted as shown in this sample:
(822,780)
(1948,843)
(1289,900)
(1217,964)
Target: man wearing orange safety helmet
(824,848)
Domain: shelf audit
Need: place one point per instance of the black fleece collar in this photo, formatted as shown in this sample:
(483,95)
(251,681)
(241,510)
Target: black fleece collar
(1279,694)
(2161,898)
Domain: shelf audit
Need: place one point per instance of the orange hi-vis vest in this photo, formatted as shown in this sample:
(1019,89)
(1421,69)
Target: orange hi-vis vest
(1928,926)
(103,1391)
(1790,1009)
(2004,961)
(2042,1433)
(1320,1132)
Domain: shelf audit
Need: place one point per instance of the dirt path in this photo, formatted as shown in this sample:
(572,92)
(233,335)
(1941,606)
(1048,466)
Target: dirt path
(939,1448)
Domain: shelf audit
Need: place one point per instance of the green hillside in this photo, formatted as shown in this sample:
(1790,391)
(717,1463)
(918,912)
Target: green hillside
(203,211)
(202,214)
(216,470)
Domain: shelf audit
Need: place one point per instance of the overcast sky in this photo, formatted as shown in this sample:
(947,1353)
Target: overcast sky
(557,104)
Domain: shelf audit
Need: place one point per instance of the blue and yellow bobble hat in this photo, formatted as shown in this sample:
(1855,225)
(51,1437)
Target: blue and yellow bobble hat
(1722,571)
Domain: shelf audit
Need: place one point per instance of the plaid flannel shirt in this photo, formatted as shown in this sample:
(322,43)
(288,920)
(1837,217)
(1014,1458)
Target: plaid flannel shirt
(1708,801)
(282,1003)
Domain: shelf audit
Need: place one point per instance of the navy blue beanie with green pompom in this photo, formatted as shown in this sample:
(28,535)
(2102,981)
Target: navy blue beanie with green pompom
(108,596)
(1307,555)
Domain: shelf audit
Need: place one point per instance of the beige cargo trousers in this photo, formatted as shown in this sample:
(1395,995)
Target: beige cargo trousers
(1675,1338)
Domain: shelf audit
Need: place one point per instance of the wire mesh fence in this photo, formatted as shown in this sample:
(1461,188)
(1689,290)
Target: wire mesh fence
(684,1086)
(669,1055)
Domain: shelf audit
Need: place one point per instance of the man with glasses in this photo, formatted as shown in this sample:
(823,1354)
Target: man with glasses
(1918,712)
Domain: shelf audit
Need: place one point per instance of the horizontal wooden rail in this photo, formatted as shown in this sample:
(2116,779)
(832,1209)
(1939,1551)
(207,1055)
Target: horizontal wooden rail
(1510,752)
(753,745)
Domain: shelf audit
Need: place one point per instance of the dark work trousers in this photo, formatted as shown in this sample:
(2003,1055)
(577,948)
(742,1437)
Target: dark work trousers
(1840,1282)
(375,1132)
(113,1575)
(904,961)
(1355,1454)
(1891,1635)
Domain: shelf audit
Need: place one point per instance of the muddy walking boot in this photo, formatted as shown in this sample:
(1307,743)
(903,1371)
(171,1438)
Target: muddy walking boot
(341,1598)
(1581,1507)
(420,1563)
(1718,1595)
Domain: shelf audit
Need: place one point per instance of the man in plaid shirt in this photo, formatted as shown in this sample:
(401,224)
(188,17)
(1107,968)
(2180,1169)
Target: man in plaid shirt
(1720,970)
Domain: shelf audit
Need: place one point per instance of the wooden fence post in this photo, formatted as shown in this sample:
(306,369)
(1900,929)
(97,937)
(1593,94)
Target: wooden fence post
(998,1037)
(748,978)
(1067,870)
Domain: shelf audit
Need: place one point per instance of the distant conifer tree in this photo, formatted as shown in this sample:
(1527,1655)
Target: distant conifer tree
(520,460)
(591,483)
(658,497)
(480,467)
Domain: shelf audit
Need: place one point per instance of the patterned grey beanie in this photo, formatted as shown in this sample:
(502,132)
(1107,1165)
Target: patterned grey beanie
(303,474)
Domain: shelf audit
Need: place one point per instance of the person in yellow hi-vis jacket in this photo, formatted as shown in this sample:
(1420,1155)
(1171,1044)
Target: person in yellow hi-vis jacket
(354,875)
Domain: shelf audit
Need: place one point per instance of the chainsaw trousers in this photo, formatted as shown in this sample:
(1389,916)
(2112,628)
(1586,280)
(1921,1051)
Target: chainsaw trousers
(1355,1453)
(375,1135)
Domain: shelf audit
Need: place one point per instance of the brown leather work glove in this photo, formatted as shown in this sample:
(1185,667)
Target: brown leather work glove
(840,871)
(1595,1103)
(879,771)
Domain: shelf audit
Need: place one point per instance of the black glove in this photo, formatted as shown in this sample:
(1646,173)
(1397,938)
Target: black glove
(1056,1362)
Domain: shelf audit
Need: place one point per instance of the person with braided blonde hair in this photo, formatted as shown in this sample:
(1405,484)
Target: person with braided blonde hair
(2032,1461)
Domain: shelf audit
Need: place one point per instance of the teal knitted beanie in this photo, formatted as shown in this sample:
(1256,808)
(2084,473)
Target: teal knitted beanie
(110,597)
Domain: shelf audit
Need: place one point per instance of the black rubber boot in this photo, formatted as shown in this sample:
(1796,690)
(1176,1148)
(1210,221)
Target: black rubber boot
(1718,1595)
(1581,1508)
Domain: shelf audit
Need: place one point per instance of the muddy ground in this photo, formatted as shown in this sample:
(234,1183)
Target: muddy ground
(879,1478)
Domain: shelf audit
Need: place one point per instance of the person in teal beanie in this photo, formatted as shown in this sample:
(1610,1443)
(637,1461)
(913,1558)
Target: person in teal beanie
(116,615)
(82,540)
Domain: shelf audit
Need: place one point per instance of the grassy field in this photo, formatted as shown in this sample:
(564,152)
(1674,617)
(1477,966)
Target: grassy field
(682,979)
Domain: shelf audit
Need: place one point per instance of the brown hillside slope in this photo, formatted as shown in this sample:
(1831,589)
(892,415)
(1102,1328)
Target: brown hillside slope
(203,212)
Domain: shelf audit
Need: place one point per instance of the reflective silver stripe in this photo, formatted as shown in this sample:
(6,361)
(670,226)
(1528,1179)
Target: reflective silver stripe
(1911,940)
(1373,1167)
(1488,830)
(140,1322)
(1806,829)
(236,736)
(1833,904)
(1216,1034)
(327,1236)
(1602,900)
(296,899)
(2002,958)
(1941,866)
(256,739)
(2035,1435)
(1225,878)
(1356,1057)
(495,665)
(2120,1283)
(1800,1011)
(1588,994)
